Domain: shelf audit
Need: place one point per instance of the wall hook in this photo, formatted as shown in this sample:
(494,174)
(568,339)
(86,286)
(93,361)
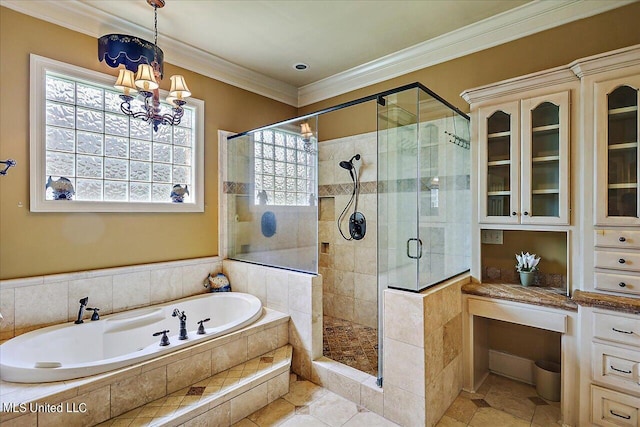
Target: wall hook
(9,163)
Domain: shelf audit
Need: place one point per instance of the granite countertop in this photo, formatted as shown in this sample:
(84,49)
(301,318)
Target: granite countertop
(609,302)
(542,296)
(552,297)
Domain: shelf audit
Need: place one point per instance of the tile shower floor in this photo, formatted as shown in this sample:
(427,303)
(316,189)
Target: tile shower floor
(351,344)
(500,402)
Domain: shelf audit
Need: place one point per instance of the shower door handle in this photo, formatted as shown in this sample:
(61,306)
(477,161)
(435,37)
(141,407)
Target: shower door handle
(418,244)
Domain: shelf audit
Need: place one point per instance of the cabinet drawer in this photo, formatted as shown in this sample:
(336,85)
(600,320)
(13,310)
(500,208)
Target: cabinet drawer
(610,408)
(616,366)
(629,261)
(618,239)
(617,283)
(617,328)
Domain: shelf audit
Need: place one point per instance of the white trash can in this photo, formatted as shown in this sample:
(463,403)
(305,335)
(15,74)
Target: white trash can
(548,380)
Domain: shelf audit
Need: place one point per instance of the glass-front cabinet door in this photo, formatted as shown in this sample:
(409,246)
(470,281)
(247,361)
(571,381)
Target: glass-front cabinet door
(545,159)
(499,152)
(617,134)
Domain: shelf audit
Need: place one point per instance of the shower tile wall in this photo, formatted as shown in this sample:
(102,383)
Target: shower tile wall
(348,268)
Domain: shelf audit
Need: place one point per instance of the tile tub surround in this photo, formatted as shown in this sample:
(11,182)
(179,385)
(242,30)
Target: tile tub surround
(297,294)
(422,352)
(125,389)
(220,400)
(34,302)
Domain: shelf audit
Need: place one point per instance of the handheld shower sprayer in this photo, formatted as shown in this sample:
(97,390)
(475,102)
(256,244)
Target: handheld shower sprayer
(357,221)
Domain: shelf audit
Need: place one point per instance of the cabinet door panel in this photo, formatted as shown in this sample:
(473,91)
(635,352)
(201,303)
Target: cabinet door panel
(617,132)
(545,159)
(499,160)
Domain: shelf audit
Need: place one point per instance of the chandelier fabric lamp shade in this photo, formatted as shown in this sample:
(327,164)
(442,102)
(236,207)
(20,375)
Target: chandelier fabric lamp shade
(145,79)
(130,51)
(179,89)
(126,82)
(142,72)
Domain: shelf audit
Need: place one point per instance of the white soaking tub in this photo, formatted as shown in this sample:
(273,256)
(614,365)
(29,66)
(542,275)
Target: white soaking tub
(67,351)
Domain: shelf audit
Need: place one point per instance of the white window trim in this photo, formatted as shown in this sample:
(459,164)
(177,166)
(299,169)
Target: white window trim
(38,203)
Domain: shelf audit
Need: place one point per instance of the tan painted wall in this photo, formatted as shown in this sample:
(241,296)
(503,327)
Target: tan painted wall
(45,243)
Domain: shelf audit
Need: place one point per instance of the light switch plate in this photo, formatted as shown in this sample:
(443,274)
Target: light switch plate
(491,237)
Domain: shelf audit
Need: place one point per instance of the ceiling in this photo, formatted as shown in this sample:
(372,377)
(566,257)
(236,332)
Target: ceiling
(330,36)
(347,44)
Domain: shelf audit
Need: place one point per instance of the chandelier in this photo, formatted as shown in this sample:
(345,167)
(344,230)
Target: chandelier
(145,59)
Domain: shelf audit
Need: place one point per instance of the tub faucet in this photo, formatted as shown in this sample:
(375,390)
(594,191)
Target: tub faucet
(183,323)
(83,303)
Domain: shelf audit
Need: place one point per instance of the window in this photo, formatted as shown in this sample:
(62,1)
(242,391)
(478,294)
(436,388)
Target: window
(115,163)
(284,169)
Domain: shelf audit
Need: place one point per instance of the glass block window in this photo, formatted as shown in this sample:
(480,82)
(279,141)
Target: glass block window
(284,171)
(108,156)
(80,140)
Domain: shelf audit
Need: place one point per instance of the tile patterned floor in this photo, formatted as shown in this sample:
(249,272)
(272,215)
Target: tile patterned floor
(309,405)
(183,400)
(500,402)
(350,344)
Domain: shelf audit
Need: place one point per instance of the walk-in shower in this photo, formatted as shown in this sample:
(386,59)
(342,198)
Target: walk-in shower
(370,194)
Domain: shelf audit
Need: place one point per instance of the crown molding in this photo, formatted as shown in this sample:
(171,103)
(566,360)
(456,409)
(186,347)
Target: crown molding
(541,79)
(516,23)
(609,61)
(93,22)
(522,21)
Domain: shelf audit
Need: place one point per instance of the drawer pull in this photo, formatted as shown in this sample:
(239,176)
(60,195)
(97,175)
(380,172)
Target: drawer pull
(622,284)
(622,332)
(622,261)
(619,370)
(622,239)
(626,417)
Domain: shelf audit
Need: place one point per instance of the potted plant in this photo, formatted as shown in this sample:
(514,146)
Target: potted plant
(526,266)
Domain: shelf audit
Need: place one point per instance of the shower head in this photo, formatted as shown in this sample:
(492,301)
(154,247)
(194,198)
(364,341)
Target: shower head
(348,165)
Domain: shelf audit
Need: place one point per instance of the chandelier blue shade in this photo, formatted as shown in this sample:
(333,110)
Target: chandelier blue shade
(130,51)
(142,73)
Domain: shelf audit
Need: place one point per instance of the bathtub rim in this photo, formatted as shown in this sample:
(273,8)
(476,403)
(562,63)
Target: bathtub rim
(34,375)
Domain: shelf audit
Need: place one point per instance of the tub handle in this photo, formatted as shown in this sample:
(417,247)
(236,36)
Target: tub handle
(201,330)
(165,339)
(95,315)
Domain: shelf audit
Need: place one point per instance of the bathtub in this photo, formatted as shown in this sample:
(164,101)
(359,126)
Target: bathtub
(68,351)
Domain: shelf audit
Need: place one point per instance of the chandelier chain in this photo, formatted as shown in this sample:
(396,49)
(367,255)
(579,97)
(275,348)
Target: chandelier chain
(155,33)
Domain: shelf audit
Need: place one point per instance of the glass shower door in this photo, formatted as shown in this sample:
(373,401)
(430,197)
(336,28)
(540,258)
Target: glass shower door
(399,245)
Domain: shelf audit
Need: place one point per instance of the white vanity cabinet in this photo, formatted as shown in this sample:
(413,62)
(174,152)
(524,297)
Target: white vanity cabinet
(524,160)
(610,213)
(615,367)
